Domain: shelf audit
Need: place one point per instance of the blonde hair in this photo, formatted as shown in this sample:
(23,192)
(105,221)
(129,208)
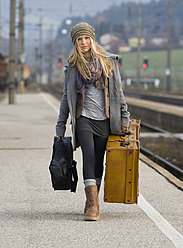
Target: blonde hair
(77,59)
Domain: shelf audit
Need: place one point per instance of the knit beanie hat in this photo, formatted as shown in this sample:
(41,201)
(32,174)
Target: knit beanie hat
(82,28)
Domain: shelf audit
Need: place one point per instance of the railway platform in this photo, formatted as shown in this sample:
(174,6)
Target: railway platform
(33,215)
(164,115)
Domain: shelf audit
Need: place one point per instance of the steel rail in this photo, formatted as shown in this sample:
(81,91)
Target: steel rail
(176,171)
(160,130)
(162,99)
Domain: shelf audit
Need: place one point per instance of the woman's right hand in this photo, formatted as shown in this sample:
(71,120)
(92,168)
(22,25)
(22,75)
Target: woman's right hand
(61,137)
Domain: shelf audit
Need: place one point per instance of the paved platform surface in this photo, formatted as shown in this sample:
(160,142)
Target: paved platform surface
(32,215)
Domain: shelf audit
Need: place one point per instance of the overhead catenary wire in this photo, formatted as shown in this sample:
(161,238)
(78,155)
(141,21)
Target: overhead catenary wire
(161,9)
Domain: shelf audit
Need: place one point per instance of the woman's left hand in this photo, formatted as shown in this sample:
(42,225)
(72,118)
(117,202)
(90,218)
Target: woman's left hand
(124,129)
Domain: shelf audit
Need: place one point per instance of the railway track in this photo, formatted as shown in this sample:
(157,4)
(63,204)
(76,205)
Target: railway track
(165,98)
(175,170)
(56,90)
(178,172)
(160,130)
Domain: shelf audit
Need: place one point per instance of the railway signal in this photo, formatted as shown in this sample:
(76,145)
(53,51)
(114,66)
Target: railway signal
(145,63)
(120,62)
(59,62)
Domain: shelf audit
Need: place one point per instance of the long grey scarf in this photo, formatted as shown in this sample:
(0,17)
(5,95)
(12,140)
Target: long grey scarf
(96,77)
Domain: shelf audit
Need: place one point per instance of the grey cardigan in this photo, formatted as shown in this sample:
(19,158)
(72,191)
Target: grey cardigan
(119,116)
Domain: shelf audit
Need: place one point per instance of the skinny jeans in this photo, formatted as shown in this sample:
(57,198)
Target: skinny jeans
(93,150)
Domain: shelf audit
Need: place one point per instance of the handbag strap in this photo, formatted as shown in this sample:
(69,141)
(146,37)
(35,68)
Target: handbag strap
(74,177)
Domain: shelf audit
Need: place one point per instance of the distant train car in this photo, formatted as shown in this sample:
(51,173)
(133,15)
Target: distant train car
(3,73)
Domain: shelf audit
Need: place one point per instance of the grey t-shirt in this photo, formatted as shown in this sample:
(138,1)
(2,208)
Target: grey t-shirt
(94,103)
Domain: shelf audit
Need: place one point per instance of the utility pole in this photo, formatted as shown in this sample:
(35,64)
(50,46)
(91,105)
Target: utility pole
(0,27)
(139,46)
(40,52)
(50,56)
(36,64)
(20,47)
(168,69)
(11,79)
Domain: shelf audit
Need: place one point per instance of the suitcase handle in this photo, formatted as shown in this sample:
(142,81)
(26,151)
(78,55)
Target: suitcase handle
(126,133)
(124,144)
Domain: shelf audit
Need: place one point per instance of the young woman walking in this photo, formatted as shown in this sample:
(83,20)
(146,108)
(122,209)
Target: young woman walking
(94,98)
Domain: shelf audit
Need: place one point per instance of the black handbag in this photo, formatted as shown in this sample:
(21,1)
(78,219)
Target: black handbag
(62,166)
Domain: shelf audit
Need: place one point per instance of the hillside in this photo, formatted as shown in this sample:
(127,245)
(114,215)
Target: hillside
(122,19)
(154,17)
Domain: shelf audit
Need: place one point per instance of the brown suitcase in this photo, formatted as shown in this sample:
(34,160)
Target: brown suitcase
(122,166)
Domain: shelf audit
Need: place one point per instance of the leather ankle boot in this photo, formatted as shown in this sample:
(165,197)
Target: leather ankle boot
(87,203)
(92,213)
